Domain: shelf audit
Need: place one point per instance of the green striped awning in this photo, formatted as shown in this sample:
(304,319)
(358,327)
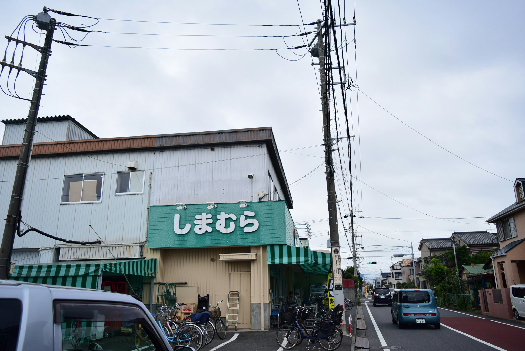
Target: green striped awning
(310,261)
(81,275)
(145,268)
(78,275)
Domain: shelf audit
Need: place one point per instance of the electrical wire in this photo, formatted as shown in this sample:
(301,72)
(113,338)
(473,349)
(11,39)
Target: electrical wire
(427,138)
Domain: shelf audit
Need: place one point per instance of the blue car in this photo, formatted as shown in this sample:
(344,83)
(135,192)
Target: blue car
(415,306)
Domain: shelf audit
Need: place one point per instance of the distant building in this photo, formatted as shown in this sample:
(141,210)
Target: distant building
(509,260)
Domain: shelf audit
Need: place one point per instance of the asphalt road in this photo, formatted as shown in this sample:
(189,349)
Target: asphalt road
(458,331)
(261,341)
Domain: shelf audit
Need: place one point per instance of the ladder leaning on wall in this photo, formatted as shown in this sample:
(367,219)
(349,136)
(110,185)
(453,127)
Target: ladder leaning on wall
(232,316)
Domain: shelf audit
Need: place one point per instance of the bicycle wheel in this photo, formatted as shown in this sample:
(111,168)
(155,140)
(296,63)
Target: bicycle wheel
(288,338)
(333,341)
(209,332)
(189,335)
(220,328)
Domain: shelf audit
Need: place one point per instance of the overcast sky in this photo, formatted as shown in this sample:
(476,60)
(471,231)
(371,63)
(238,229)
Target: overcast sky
(453,71)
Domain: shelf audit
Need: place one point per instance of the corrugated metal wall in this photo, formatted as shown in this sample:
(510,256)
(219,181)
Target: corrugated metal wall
(21,257)
(116,219)
(77,133)
(193,176)
(185,175)
(45,132)
(99,252)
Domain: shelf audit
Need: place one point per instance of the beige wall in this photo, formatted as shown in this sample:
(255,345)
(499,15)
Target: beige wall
(201,268)
(259,268)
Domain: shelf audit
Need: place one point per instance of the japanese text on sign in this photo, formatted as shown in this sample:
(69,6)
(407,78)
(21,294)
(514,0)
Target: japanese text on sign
(225,223)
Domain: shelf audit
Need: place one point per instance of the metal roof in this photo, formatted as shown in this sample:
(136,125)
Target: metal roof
(477,238)
(50,119)
(516,207)
(438,243)
(503,251)
(476,269)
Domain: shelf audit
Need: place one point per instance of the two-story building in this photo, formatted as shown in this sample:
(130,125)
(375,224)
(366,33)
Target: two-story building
(199,213)
(509,260)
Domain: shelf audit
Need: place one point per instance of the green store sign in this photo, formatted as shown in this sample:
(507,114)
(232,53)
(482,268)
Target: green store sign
(222,224)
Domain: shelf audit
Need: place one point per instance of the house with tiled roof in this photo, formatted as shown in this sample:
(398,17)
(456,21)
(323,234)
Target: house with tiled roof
(479,241)
(509,260)
(434,247)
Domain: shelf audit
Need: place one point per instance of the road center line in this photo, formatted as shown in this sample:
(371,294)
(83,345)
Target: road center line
(470,336)
(381,339)
(226,342)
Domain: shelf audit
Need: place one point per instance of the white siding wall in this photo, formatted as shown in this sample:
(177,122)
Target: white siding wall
(77,133)
(47,132)
(193,176)
(25,257)
(182,175)
(117,219)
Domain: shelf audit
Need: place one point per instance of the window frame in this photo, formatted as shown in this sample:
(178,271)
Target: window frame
(134,192)
(102,174)
(57,320)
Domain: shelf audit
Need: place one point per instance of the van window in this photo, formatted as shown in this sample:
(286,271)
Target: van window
(11,312)
(414,296)
(99,326)
(518,292)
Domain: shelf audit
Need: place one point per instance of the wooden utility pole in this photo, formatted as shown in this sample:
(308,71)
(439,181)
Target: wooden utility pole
(44,22)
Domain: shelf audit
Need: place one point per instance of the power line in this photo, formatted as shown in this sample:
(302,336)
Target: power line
(427,138)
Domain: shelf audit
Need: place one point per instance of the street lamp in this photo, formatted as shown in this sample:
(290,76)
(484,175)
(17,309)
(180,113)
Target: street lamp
(413,262)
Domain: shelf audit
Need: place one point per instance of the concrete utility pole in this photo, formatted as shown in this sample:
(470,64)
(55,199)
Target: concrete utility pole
(44,22)
(413,265)
(330,183)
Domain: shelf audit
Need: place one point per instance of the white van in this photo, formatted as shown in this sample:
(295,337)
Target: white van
(517,298)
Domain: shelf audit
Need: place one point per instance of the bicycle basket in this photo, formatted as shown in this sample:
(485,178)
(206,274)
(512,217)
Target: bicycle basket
(326,328)
(304,314)
(215,313)
(288,317)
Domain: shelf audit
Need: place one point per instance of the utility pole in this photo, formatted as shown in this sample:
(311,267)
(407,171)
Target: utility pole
(330,183)
(413,265)
(44,22)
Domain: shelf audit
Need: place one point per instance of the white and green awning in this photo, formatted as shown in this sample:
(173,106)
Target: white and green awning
(313,262)
(81,275)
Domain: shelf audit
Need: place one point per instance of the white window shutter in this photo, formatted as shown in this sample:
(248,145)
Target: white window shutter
(513,232)
(499,227)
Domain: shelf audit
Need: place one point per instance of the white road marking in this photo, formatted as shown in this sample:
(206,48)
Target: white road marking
(470,336)
(226,342)
(381,339)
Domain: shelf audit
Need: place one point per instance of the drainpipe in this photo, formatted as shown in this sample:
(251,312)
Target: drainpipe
(262,288)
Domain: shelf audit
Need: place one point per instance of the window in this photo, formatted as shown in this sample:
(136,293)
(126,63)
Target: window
(414,296)
(398,275)
(100,326)
(11,312)
(518,292)
(82,188)
(506,229)
(130,182)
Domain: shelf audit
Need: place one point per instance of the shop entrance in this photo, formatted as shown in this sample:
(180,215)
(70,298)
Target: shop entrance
(241,282)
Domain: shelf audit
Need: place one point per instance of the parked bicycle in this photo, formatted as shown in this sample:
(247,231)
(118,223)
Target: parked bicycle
(202,320)
(218,323)
(178,332)
(324,331)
